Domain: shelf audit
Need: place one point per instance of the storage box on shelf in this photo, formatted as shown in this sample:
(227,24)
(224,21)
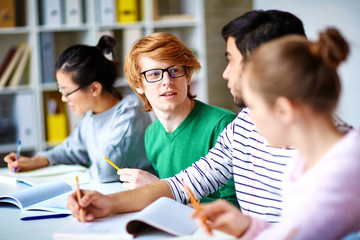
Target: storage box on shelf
(56,123)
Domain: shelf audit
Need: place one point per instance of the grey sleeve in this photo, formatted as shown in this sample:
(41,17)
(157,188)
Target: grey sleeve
(71,151)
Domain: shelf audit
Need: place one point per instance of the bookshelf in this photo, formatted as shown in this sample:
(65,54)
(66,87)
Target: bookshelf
(184,18)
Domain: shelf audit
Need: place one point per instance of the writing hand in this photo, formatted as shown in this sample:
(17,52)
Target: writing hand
(24,164)
(224,217)
(94,205)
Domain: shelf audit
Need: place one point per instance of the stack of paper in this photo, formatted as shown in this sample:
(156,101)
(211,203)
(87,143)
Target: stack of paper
(55,173)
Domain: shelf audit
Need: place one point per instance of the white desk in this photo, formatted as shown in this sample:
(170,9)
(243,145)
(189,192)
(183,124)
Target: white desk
(12,228)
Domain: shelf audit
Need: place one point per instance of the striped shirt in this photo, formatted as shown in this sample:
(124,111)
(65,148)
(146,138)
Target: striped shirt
(259,170)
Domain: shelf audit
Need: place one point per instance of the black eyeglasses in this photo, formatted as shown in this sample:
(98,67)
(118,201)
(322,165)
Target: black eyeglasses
(156,74)
(67,94)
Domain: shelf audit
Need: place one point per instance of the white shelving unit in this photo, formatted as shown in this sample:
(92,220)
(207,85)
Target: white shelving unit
(187,22)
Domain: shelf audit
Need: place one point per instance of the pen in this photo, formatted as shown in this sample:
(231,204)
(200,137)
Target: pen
(79,197)
(112,164)
(18,152)
(60,215)
(197,206)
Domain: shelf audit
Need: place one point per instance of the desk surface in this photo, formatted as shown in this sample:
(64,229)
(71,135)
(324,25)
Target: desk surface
(12,228)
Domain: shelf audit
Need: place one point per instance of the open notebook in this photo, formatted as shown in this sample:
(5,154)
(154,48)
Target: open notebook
(164,214)
(47,200)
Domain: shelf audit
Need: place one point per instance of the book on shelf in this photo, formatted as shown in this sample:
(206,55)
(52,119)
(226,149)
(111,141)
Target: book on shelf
(127,11)
(7,13)
(47,200)
(6,60)
(19,71)
(164,214)
(106,11)
(73,12)
(10,68)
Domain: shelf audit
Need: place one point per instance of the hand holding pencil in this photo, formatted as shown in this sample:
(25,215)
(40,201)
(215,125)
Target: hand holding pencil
(224,217)
(81,211)
(91,205)
(87,205)
(198,208)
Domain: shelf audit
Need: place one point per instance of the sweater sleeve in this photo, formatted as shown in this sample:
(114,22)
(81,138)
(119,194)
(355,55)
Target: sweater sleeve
(125,141)
(122,141)
(117,134)
(257,225)
(72,150)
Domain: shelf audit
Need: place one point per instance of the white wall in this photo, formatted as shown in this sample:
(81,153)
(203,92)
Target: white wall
(344,15)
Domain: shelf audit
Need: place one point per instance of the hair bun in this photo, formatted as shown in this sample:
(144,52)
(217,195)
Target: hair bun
(106,44)
(331,47)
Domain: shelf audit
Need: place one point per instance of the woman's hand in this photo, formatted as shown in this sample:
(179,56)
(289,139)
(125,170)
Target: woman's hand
(223,216)
(24,164)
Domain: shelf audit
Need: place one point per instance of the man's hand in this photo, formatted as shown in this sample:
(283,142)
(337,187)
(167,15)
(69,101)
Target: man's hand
(94,204)
(135,178)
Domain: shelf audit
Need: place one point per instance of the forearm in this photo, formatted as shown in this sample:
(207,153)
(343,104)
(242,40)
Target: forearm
(137,199)
(39,161)
(65,154)
(200,178)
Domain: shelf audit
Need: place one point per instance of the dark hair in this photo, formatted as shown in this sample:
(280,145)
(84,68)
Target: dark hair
(258,26)
(303,71)
(87,64)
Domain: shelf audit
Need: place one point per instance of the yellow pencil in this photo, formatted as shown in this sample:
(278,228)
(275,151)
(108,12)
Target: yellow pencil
(112,164)
(79,197)
(197,206)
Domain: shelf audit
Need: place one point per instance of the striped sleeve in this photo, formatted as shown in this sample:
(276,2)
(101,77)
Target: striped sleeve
(209,173)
